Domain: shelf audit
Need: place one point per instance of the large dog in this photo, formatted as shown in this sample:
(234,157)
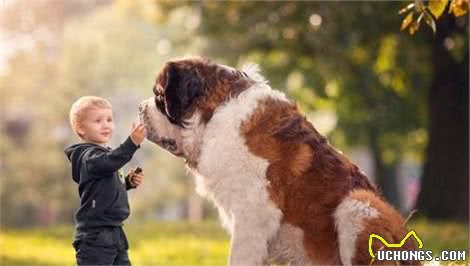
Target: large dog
(283,193)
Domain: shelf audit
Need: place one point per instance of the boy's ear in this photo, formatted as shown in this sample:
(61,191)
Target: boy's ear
(80,131)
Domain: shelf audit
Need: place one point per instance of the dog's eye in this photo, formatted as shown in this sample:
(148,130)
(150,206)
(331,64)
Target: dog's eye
(160,103)
(158,91)
(158,98)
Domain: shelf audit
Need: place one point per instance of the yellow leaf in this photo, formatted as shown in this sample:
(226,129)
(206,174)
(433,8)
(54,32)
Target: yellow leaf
(459,7)
(408,19)
(413,27)
(437,7)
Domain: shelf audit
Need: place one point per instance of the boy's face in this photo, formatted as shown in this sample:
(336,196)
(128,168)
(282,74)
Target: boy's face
(97,125)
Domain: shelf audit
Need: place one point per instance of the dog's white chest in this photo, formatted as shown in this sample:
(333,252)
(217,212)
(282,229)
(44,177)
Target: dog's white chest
(227,172)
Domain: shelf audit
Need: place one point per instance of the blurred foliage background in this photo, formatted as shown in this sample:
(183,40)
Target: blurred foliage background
(396,104)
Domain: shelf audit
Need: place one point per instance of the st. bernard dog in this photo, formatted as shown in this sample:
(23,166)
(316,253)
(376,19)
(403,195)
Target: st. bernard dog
(283,193)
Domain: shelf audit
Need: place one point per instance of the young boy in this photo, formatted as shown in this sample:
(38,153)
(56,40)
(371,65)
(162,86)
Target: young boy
(99,237)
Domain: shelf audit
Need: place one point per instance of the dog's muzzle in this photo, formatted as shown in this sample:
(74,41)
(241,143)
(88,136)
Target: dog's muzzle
(159,129)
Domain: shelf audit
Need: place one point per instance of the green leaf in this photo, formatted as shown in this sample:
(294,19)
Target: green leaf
(437,7)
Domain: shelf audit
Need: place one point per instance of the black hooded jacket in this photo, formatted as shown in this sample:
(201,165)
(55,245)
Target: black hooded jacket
(101,187)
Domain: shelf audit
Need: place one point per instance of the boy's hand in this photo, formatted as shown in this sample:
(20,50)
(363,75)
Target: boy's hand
(136,177)
(138,133)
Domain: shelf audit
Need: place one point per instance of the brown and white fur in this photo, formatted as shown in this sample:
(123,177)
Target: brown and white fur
(283,193)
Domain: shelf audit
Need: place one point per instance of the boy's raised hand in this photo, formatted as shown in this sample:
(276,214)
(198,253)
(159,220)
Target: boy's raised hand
(138,133)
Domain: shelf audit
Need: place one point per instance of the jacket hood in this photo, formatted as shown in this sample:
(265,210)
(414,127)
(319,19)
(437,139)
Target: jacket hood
(74,154)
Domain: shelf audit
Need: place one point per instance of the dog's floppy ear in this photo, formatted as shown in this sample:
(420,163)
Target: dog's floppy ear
(182,88)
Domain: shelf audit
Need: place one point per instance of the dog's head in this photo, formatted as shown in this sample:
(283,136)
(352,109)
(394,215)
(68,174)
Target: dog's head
(188,86)
(180,85)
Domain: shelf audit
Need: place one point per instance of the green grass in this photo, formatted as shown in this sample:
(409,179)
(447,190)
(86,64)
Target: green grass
(177,243)
(158,243)
(438,236)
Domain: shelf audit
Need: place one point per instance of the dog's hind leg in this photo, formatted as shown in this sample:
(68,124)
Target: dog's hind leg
(349,220)
(361,214)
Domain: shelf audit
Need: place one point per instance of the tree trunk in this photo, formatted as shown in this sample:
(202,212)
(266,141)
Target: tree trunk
(444,187)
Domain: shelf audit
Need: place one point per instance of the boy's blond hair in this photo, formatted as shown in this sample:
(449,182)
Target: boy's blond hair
(80,108)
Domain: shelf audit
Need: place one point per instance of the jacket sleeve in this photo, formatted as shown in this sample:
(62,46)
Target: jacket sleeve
(100,161)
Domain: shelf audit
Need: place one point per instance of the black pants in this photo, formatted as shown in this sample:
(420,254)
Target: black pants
(104,245)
